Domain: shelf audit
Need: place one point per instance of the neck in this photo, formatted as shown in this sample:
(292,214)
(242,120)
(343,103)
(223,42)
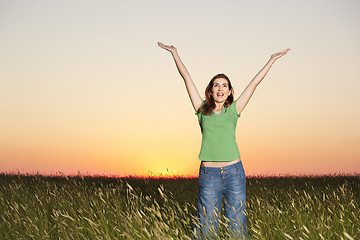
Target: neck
(219,106)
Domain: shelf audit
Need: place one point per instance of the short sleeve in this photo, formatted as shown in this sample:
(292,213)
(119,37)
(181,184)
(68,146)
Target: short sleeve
(198,111)
(233,106)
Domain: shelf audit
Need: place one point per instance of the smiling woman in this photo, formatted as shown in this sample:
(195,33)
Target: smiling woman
(221,171)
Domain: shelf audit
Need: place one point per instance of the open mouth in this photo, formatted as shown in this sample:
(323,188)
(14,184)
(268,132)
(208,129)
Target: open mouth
(220,94)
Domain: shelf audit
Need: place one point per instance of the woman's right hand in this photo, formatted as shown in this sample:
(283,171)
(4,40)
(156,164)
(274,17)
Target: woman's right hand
(167,47)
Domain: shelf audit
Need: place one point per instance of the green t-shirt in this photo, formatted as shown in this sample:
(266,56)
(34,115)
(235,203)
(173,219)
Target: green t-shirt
(218,135)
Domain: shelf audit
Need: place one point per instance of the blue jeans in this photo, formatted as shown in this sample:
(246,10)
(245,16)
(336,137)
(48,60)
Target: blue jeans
(214,183)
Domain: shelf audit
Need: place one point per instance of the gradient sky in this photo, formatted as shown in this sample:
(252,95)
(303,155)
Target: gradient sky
(84,86)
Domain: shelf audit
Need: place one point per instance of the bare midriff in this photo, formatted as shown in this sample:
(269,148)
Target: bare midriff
(219,164)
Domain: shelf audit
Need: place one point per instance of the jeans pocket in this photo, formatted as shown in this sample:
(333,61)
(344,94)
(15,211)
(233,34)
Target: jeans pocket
(240,173)
(202,178)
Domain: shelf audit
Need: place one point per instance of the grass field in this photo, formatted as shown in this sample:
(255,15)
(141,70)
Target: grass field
(39,207)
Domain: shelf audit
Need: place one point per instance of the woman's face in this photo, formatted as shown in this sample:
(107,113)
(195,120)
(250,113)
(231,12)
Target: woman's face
(220,90)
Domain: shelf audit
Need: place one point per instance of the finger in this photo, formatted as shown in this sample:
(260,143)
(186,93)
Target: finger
(286,50)
(162,45)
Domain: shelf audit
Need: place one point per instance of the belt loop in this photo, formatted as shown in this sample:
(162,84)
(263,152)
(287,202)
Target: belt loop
(237,167)
(205,169)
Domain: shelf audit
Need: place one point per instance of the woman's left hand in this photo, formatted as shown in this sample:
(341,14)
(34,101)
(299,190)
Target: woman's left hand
(278,55)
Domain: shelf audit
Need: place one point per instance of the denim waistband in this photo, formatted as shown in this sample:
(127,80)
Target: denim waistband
(232,167)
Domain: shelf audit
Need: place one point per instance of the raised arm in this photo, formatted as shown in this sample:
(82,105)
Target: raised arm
(194,95)
(249,90)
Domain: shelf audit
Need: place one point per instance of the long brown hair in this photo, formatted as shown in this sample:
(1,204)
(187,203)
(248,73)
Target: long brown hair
(209,104)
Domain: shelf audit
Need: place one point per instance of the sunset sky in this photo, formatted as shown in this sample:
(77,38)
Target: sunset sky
(84,86)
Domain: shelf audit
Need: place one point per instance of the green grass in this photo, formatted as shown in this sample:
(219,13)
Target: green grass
(39,207)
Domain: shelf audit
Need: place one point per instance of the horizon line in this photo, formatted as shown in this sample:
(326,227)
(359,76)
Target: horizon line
(173,176)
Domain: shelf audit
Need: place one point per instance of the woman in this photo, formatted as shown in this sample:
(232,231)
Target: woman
(221,172)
